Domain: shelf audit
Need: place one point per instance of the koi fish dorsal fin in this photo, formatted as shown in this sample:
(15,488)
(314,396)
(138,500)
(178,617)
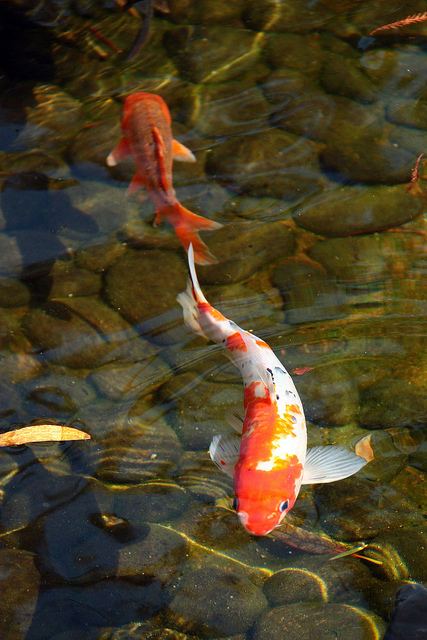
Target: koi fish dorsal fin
(160,155)
(328,464)
(224,451)
(181,153)
(189,298)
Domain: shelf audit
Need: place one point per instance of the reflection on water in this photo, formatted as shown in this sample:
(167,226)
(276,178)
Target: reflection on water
(305,134)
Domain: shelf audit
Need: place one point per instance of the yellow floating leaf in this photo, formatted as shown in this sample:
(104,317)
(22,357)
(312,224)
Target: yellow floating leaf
(41,433)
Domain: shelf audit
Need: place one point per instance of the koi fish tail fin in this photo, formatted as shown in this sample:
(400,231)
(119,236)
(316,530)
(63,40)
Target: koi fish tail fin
(190,298)
(187,226)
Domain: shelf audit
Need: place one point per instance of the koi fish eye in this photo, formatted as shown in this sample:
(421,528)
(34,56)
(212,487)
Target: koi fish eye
(283,505)
(235,504)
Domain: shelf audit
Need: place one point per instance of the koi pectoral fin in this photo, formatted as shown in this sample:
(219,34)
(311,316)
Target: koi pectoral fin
(120,151)
(328,464)
(224,451)
(235,420)
(181,152)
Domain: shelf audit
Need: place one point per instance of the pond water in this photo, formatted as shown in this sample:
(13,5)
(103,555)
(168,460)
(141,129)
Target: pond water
(305,130)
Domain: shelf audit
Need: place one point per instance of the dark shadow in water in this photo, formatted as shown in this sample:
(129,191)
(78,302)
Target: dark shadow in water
(34,215)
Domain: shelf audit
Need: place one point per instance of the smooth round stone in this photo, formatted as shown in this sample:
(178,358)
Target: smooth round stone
(403,64)
(148,502)
(303,53)
(303,621)
(409,113)
(216,528)
(399,401)
(56,395)
(205,54)
(319,579)
(329,394)
(19,584)
(67,280)
(198,475)
(260,243)
(344,77)
(135,286)
(267,164)
(229,109)
(353,261)
(91,146)
(400,553)
(389,460)
(78,332)
(13,293)
(209,12)
(213,602)
(200,408)
(53,120)
(351,511)
(98,257)
(28,252)
(372,209)
(308,293)
(101,211)
(159,556)
(131,380)
(67,614)
(143,631)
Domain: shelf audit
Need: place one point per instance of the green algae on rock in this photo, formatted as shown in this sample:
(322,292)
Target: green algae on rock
(352,210)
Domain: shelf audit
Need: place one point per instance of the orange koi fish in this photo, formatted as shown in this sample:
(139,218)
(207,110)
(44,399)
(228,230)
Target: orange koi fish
(271,461)
(147,137)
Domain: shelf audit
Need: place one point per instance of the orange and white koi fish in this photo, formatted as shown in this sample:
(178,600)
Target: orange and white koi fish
(147,137)
(271,461)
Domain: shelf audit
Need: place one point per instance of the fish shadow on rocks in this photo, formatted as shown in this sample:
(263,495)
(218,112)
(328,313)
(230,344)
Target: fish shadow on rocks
(36,210)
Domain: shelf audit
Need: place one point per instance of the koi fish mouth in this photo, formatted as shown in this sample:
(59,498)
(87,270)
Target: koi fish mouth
(257,530)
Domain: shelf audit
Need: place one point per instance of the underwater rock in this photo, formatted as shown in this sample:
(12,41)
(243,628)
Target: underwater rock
(206,54)
(28,253)
(135,286)
(199,407)
(303,53)
(300,106)
(329,394)
(268,163)
(159,555)
(130,380)
(351,210)
(142,447)
(303,621)
(398,401)
(53,120)
(260,243)
(344,77)
(410,113)
(13,293)
(408,621)
(96,210)
(67,280)
(211,602)
(353,261)
(352,509)
(98,257)
(79,332)
(71,612)
(198,475)
(209,12)
(144,631)
(316,579)
(396,71)
(19,584)
(148,502)
(229,109)
(399,550)
(57,395)
(309,295)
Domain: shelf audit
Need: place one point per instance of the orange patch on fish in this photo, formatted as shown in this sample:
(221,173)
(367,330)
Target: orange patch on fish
(293,408)
(261,343)
(205,307)
(235,342)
